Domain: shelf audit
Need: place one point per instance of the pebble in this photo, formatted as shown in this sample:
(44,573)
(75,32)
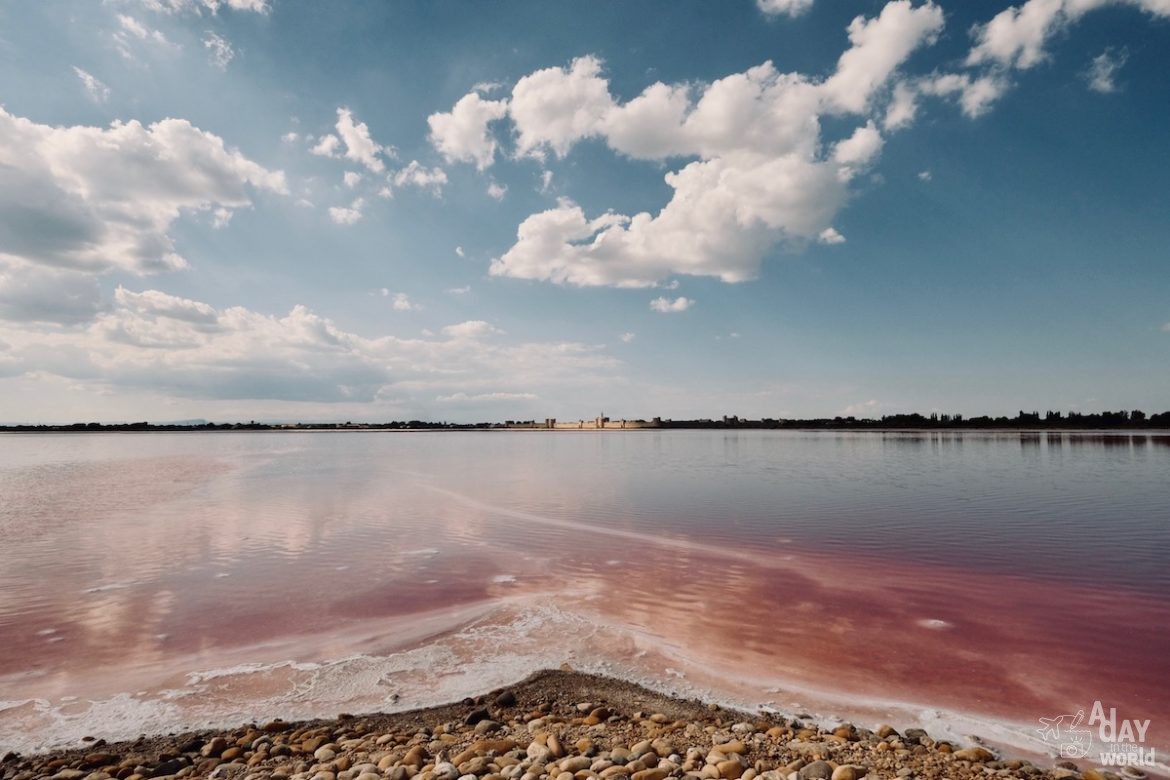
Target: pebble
(549,739)
(973,754)
(817,770)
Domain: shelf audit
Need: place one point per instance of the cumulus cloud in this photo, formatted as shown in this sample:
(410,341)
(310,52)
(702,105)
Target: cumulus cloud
(327,146)
(627,337)
(402,302)
(975,94)
(830,236)
(359,146)
(418,175)
(101,199)
(764,175)
(556,107)
(219,50)
(198,6)
(469,330)
(462,135)
(34,294)
(878,47)
(925,176)
(347,215)
(1102,72)
(785,7)
(97,91)
(664,305)
(858,149)
(163,343)
(1017,36)
(497,191)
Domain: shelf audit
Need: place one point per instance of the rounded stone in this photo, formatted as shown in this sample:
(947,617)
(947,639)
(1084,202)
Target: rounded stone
(817,770)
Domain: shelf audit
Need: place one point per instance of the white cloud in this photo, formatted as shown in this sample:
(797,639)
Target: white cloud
(974,94)
(664,305)
(902,108)
(627,337)
(786,7)
(465,398)
(459,251)
(135,27)
(459,290)
(198,6)
(462,135)
(402,302)
(497,191)
(546,178)
(858,150)
(347,215)
(351,179)
(1017,36)
(763,175)
(160,343)
(359,146)
(1102,73)
(155,303)
(290,137)
(219,50)
(97,91)
(131,30)
(878,47)
(417,175)
(327,146)
(30,293)
(556,107)
(221,217)
(925,176)
(101,199)
(830,236)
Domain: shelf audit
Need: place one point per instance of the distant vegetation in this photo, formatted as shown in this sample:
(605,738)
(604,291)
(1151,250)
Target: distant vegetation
(1023,421)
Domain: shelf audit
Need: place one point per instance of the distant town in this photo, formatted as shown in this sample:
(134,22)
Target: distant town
(1122,420)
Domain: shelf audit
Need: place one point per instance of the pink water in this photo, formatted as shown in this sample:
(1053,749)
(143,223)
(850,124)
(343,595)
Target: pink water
(968,582)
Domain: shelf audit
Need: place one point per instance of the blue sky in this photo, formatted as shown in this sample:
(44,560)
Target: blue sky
(264,209)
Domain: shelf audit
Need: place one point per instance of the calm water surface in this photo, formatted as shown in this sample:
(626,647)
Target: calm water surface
(968,581)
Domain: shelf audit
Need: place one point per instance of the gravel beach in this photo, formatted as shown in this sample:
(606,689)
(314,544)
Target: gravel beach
(556,725)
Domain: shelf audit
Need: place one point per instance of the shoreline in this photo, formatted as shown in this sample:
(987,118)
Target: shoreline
(558,725)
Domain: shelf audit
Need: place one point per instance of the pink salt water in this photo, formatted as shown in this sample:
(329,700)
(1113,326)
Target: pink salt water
(968,582)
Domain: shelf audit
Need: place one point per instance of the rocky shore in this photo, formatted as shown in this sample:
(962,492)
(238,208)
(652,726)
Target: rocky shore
(559,725)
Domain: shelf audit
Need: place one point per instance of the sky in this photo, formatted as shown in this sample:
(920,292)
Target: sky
(283,211)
